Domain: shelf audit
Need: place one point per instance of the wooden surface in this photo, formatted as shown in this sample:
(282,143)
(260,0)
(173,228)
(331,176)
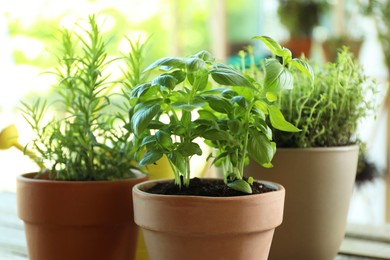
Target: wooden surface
(364,242)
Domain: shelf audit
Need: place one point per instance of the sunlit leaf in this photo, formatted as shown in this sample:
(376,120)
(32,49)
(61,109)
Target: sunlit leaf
(165,80)
(229,77)
(277,77)
(276,48)
(261,149)
(279,122)
(304,67)
(169,62)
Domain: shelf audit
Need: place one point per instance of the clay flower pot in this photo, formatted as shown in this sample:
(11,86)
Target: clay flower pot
(319,184)
(207,228)
(77,220)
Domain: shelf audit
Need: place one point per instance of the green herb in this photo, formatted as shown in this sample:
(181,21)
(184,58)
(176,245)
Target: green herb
(328,112)
(85,140)
(197,98)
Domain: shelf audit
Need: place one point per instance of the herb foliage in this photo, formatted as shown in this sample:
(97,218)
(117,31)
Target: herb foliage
(84,142)
(197,98)
(329,111)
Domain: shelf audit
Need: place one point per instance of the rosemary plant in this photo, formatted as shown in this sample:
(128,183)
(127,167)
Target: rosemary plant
(83,141)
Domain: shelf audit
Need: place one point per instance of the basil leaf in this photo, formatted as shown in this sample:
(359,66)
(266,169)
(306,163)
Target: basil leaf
(279,122)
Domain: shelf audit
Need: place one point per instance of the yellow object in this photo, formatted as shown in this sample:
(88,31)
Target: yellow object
(9,137)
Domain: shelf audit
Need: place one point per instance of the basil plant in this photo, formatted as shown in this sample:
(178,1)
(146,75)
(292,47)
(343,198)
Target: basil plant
(197,98)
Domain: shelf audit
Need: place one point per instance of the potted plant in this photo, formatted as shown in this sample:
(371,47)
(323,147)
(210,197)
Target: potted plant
(318,164)
(195,99)
(79,206)
(300,17)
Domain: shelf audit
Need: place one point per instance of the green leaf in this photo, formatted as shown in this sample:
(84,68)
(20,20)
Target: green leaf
(271,97)
(218,104)
(179,75)
(139,90)
(240,185)
(170,62)
(240,100)
(275,48)
(304,67)
(150,157)
(199,80)
(204,55)
(205,114)
(187,107)
(164,139)
(234,125)
(279,122)
(261,149)
(148,140)
(178,161)
(277,77)
(228,93)
(142,117)
(165,80)
(229,77)
(189,149)
(215,135)
(194,64)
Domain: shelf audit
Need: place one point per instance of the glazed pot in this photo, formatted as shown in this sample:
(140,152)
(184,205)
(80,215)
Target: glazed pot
(77,220)
(319,184)
(207,228)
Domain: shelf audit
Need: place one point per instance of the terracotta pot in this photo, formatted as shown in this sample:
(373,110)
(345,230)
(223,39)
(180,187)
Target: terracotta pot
(319,184)
(77,220)
(207,228)
(299,46)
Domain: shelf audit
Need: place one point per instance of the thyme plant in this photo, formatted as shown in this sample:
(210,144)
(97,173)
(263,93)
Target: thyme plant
(197,98)
(329,111)
(83,141)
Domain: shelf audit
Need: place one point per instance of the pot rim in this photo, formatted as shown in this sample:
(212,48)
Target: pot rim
(139,191)
(344,148)
(29,177)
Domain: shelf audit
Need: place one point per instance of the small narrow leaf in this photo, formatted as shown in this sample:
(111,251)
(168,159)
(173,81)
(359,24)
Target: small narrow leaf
(240,185)
(279,122)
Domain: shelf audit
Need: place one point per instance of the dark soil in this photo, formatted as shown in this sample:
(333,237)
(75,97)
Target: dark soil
(205,187)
